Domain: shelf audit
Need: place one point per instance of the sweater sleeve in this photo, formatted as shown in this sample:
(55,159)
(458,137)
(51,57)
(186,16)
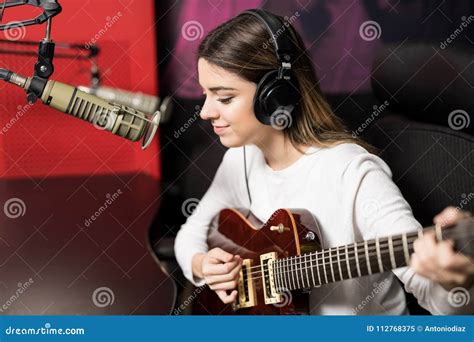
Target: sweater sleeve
(379,210)
(192,237)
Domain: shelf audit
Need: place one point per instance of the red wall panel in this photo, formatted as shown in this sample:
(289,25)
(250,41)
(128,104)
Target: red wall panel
(38,141)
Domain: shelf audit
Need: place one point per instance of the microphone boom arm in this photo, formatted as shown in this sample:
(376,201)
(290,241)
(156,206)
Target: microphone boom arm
(120,120)
(50,9)
(44,67)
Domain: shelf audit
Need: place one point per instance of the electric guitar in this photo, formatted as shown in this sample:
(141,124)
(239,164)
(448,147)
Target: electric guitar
(283,260)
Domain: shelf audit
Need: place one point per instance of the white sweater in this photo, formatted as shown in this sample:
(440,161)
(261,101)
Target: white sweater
(352,196)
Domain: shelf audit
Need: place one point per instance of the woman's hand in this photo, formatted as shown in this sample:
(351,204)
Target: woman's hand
(438,261)
(220,270)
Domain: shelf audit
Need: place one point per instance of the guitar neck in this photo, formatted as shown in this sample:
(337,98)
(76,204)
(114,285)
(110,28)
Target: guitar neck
(344,262)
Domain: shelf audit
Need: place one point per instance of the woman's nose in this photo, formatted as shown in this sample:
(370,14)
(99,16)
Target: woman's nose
(208,112)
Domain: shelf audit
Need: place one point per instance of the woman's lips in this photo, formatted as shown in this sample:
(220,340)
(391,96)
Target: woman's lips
(219,130)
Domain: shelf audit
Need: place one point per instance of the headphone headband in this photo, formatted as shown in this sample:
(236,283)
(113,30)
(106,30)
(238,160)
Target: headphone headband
(284,47)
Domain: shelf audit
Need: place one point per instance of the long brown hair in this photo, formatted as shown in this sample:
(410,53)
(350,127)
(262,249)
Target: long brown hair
(243,46)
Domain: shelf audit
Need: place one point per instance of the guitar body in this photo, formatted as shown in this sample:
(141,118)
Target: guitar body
(284,259)
(287,233)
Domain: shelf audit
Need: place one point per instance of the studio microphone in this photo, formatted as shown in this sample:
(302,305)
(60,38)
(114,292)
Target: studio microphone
(118,119)
(142,102)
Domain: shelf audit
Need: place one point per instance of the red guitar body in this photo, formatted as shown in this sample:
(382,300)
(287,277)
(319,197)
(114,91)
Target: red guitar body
(238,235)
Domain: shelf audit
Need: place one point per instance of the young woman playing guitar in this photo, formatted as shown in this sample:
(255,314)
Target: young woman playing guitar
(288,150)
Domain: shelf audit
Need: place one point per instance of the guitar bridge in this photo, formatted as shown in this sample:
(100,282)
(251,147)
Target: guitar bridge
(247,296)
(269,289)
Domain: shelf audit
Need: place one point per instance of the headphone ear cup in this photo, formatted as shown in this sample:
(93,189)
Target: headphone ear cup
(259,101)
(275,97)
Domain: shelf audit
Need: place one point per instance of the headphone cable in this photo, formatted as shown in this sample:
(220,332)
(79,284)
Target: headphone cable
(247,182)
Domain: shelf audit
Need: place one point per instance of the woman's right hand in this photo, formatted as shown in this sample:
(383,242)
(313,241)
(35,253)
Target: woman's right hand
(221,271)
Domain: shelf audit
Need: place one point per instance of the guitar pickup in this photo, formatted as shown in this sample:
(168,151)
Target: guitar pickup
(270,292)
(247,295)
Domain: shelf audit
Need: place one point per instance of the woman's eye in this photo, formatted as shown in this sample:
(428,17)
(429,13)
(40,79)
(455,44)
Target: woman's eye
(226,100)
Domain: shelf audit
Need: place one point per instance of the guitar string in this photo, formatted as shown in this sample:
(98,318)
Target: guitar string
(286,272)
(321,255)
(371,248)
(286,269)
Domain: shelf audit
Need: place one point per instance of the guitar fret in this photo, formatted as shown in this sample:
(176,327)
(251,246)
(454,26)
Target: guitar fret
(357,260)
(390,250)
(379,257)
(369,269)
(339,264)
(399,251)
(286,275)
(405,248)
(324,267)
(386,256)
(282,275)
(296,272)
(330,264)
(292,274)
(374,264)
(306,268)
(312,269)
(317,268)
(347,262)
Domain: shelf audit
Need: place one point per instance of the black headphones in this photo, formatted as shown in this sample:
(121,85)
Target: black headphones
(277,95)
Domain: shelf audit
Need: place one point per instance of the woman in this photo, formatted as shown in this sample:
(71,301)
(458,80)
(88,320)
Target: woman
(303,158)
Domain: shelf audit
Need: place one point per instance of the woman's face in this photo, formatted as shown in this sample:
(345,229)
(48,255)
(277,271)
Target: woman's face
(229,106)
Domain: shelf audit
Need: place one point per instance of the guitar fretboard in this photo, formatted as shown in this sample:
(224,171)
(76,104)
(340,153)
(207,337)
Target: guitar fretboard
(344,262)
